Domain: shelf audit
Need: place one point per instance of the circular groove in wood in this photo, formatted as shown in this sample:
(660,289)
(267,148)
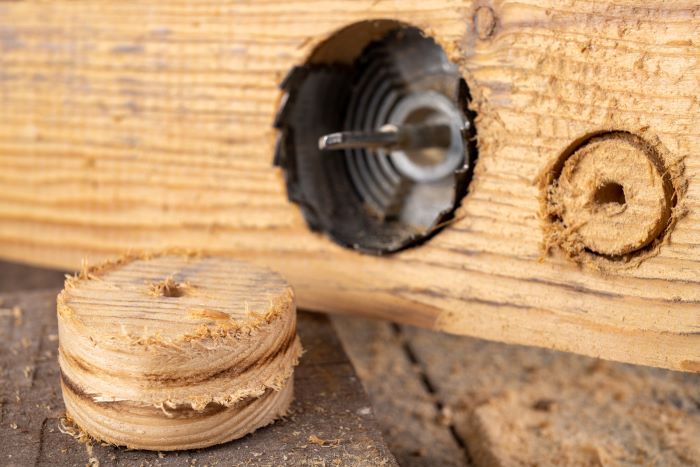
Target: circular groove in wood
(201,347)
(162,429)
(611,197)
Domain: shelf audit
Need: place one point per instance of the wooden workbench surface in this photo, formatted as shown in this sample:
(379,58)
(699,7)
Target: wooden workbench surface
(466,401)
(460,401)
(331,422)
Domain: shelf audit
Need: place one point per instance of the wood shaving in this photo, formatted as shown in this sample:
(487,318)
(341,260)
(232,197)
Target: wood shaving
(313,439)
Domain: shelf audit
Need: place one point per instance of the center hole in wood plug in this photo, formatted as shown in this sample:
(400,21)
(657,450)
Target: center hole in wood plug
(168,288)
(610,193)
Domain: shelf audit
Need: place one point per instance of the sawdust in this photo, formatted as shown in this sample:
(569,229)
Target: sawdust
(201,313)
(279,307)
(517,405)
(313,439)
(88,272)
(67,426)
(17,313)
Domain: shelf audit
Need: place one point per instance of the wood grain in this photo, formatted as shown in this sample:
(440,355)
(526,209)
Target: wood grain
(414,426)
(137,126)
(176,352)
(329,403)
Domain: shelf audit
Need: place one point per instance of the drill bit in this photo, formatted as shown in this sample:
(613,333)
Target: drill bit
(390,137)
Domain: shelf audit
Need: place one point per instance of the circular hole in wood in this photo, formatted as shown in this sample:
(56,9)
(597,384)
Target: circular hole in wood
(168,288)
(378,79)
(609,193)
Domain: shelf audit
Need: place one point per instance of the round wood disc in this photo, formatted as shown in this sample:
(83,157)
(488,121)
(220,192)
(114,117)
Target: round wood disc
(614,195)
(176,351)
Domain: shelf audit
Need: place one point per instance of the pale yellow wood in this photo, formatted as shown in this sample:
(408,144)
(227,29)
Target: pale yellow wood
(176,351)
(132,125)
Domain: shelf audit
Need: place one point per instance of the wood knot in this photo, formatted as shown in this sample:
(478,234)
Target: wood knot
(484,22)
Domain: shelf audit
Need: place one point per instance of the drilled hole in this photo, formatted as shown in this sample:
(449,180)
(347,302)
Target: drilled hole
(377,198)
(168,288)
(610,193)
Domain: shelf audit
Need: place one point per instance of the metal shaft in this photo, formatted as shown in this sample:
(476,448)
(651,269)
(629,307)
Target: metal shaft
(390,137)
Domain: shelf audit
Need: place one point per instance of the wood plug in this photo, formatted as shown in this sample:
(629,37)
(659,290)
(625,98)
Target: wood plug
(176,351)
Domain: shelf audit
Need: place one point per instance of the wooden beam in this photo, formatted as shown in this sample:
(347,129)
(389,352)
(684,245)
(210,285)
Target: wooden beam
(126,125)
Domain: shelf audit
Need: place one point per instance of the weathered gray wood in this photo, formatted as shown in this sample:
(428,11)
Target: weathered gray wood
(410,415)
(330,404)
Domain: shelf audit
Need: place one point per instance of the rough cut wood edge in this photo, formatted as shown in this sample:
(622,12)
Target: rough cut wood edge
(173,351)
(131,126)
(153,429)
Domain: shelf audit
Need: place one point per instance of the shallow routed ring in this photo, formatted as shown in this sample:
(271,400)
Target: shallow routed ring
(612,193)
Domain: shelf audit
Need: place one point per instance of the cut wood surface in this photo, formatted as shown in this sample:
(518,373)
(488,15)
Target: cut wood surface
(330,421)
(131,125)
(176,351)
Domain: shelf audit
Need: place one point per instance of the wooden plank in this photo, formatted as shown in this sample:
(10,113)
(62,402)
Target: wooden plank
(516,405)
(412,418)
(330,405)
(126,125)
(18,277)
